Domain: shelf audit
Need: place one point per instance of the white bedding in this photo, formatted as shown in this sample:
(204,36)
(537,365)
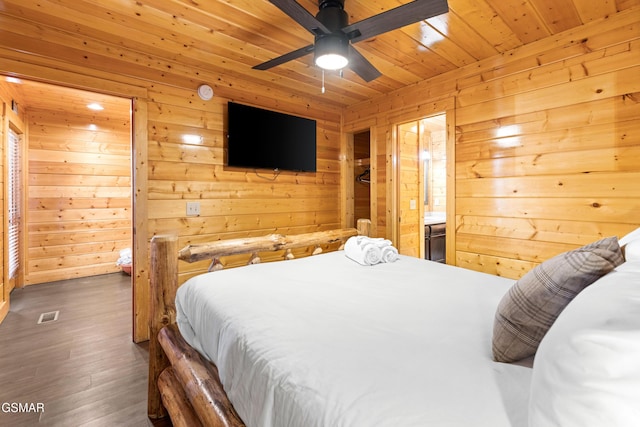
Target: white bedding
(324,341)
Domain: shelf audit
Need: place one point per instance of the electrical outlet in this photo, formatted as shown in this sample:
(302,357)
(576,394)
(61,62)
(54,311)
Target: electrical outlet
(193,208)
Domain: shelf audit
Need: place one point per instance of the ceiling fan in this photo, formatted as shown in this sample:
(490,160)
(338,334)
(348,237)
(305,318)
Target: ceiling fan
(334,36)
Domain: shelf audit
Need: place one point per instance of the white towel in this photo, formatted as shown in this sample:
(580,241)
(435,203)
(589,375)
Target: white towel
(369,251)
(362,250)
(389,253)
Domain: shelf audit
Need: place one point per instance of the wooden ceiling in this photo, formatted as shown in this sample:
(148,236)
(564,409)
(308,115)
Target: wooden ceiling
(74,102)
(183,43)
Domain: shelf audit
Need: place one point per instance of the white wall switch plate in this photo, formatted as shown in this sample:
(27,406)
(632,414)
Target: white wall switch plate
(193,208)
(412,204)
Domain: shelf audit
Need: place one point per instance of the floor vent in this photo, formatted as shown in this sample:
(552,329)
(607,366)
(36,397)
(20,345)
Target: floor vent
(49,317)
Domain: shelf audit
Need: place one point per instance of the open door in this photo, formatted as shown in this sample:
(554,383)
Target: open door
(409,185)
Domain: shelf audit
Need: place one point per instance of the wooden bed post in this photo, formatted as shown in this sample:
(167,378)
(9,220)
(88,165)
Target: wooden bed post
(164,283)
(364,227)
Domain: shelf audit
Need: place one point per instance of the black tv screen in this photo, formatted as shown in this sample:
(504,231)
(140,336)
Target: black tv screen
(264,139)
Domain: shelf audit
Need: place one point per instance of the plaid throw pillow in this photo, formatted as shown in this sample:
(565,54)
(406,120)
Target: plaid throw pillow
(533,303)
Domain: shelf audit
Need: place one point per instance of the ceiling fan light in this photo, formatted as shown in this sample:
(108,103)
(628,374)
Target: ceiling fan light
(331,52)
(331,61)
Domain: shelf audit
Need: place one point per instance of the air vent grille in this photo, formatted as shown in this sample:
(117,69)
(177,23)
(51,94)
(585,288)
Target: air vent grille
(48,317)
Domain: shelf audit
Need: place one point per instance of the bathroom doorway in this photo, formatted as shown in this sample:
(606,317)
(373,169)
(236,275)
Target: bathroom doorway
(421,179)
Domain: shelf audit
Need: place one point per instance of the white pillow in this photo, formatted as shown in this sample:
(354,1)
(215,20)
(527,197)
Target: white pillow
(634,235)
(586,372)
(632,250)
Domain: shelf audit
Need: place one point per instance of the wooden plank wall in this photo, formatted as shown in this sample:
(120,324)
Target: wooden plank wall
(168,172)
(234,202)
(547,145)
(79,194)
(596,63)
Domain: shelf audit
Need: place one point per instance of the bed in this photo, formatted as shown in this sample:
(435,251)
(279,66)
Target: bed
(326,341)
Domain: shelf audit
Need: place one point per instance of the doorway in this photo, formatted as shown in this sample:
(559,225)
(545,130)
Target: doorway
(362,174)
(12,130)
(78,181)
(420,189)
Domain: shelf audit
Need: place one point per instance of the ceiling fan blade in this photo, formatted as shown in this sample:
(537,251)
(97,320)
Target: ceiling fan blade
(398,17)
(285,58)
(361,66)
(301,16)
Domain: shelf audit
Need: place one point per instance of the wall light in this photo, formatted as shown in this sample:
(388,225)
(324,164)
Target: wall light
(509,130)
(95,106)
(508,136)
(192,139)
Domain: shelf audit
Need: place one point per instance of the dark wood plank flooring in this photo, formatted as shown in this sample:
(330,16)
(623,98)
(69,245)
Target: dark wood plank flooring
(83,368)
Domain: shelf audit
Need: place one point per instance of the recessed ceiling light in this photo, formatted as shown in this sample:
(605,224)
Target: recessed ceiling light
(95,106)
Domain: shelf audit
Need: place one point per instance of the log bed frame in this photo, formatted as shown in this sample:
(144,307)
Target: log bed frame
(182,383)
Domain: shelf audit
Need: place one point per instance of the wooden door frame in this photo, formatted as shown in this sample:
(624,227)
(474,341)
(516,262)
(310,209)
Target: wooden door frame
(139,169)
(347,167)
(348,186)
(14,122)
(10,121)
(444,106)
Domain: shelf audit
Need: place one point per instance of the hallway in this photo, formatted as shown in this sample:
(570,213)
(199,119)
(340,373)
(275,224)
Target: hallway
(83,368)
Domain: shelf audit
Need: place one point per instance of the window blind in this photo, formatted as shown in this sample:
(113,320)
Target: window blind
(14,202)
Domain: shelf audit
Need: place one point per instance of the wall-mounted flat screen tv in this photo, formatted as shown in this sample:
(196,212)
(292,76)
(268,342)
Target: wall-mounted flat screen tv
(264,139)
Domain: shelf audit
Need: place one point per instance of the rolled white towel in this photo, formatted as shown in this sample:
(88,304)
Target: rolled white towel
(384,242)
(362,251)
(372,253)
(378,241)
(389,253)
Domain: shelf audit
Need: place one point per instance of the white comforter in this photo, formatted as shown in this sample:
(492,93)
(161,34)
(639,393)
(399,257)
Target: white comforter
(324,341)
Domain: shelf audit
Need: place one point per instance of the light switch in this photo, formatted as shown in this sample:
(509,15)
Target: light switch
(412,204)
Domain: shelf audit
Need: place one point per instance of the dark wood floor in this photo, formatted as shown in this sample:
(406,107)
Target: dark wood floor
(83,368)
